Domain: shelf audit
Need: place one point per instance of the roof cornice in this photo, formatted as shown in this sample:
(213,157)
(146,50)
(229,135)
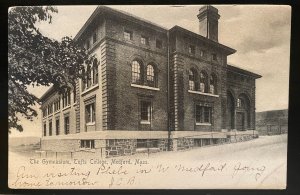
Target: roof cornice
(227,49)
(100,10)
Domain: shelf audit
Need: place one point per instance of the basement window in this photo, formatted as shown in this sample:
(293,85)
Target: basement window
(89,144)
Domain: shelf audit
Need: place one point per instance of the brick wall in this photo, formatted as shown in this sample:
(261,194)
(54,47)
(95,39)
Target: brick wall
(122,95)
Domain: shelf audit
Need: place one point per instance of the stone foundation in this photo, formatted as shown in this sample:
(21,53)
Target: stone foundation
(119,147)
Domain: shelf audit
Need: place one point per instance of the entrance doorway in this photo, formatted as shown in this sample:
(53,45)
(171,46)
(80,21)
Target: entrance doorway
(240,121)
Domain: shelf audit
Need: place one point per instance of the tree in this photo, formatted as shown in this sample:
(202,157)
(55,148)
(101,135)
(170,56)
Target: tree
(34,59)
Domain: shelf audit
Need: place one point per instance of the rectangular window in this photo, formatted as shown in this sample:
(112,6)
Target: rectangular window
(57,105)
(67,125)
(146,112)
(192,49)
(95,75)
(74,95)
(145,40)
(57,126)
(198,114)
(50,128)
(158,44)
(87,144)
(66,97)
(45,129)
(95,37)
(50,108)
(202,114)
(89,80)
(127,35)
(90,113)
(44,112)
(207,114)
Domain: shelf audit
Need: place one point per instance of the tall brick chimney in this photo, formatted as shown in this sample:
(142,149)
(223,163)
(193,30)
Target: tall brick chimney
(208,22)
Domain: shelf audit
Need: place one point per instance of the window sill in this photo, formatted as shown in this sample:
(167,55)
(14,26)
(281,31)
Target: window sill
(145,122)
(203,124)
(90,89)
(90,124)
(67,107)
(50,115)
(145,87)
(201,93)
(56,112)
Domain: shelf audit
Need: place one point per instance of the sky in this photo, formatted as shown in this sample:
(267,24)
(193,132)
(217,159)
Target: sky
(259,33)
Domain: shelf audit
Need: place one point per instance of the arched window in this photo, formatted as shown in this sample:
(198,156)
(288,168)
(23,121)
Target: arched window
(150,75)
(240,103)
(95,72)
(192,79)
(136,72)
(203,82)
(213,84)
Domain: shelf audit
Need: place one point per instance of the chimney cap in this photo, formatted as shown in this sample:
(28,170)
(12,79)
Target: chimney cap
(203,12)
(208,7)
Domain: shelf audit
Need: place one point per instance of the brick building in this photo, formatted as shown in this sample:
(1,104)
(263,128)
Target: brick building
(150,86)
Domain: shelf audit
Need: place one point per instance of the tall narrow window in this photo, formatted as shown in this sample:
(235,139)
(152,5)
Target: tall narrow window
(45,129)
(67,125)
(213,84)
(146,112)
(66,97)
(74,95)
(50,108)
(44,112)
(136,72)
(56,105)
(207,117)
(95,72)
(150,75)
(192,80)
(50,128)
(198,113)
(57,126)
(240,103)
(90,113)
(203,82)
(89,78)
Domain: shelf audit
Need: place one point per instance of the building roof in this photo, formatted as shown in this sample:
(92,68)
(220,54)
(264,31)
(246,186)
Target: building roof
(102,10)
(47,93)
(228,50)
(242,71)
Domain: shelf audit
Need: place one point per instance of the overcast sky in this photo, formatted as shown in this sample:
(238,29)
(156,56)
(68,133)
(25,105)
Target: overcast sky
(260,34)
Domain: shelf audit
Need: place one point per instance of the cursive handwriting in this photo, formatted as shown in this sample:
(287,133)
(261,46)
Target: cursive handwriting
(239,168)
(202,168)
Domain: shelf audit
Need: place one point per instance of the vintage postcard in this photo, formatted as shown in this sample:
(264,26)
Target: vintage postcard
(163,97)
